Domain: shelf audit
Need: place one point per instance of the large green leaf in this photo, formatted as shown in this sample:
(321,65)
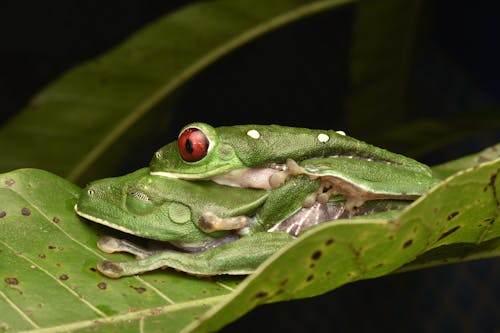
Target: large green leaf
(337,253)
(48,257)
(107,106)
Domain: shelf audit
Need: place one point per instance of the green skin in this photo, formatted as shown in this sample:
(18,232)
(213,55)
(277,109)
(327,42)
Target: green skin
(175,211)
(346,166)
(205,218)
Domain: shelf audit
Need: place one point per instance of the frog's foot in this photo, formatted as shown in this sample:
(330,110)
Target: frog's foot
(353,203)
(278,179)
(210,222)
(111,269)
(322,195)
(110,244)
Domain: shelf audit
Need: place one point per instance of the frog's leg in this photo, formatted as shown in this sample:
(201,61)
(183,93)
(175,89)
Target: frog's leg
(361,179)
(110,244)
(284,201)
(280,204)
(242,256)
(209,222)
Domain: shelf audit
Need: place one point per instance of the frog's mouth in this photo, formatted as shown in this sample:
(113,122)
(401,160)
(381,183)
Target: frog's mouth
(102,221)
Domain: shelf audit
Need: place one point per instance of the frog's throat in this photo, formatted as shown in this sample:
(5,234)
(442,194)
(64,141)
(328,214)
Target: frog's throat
(102,221)
(198,175)
(243,177)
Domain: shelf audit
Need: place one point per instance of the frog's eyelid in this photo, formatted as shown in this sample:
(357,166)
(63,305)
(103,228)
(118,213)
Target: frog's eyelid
(139,195)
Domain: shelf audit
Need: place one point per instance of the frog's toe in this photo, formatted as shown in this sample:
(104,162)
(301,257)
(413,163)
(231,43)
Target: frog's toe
(111,269)
(108,244)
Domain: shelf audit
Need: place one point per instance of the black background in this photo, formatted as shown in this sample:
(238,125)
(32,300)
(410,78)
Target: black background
(40,40)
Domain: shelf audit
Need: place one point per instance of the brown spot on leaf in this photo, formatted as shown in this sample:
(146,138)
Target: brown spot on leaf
(63,277)
(261,294)
(279,292)
(2,214)
(452,215)
(140,290)
(55,220)
(407,243)
(51,247)
(329,242)
(42,256)
(25,211)
(493,178)
(9,182)
(316,255)
(489,220)
(102,285)
(12,281)
(327,273)
(282,283)
(93,269)
(449,232)
(310,278)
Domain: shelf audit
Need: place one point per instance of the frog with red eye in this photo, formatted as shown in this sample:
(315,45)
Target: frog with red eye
(264,156)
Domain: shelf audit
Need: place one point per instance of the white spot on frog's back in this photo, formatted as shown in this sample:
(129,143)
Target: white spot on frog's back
(254,134)
(322,137)
(340,132)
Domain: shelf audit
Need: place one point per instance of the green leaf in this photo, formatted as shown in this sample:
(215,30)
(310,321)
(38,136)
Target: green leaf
(449,168)
(107,106)
(48,258)
(48,277)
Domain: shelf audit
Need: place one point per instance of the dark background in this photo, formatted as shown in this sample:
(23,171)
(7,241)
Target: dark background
(457,70)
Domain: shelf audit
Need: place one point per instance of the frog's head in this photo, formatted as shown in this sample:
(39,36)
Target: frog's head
(135,204)
(199,153)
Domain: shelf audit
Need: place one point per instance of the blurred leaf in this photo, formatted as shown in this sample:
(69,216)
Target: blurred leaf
(381,60)
(104,108)
(449,168)
(424,136)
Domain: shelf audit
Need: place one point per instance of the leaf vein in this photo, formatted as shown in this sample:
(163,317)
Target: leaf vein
(71,291)
(18,310)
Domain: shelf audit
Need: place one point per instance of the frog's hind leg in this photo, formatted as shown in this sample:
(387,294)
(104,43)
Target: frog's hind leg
(242,256)
(110,244)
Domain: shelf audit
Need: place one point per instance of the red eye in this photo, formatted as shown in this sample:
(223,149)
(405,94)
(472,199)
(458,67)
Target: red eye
(193,145)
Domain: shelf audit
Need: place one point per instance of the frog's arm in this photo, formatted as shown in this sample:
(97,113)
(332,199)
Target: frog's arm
(281,203)
(235,258)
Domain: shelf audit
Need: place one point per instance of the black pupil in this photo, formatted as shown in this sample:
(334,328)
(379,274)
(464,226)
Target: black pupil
(189,146)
